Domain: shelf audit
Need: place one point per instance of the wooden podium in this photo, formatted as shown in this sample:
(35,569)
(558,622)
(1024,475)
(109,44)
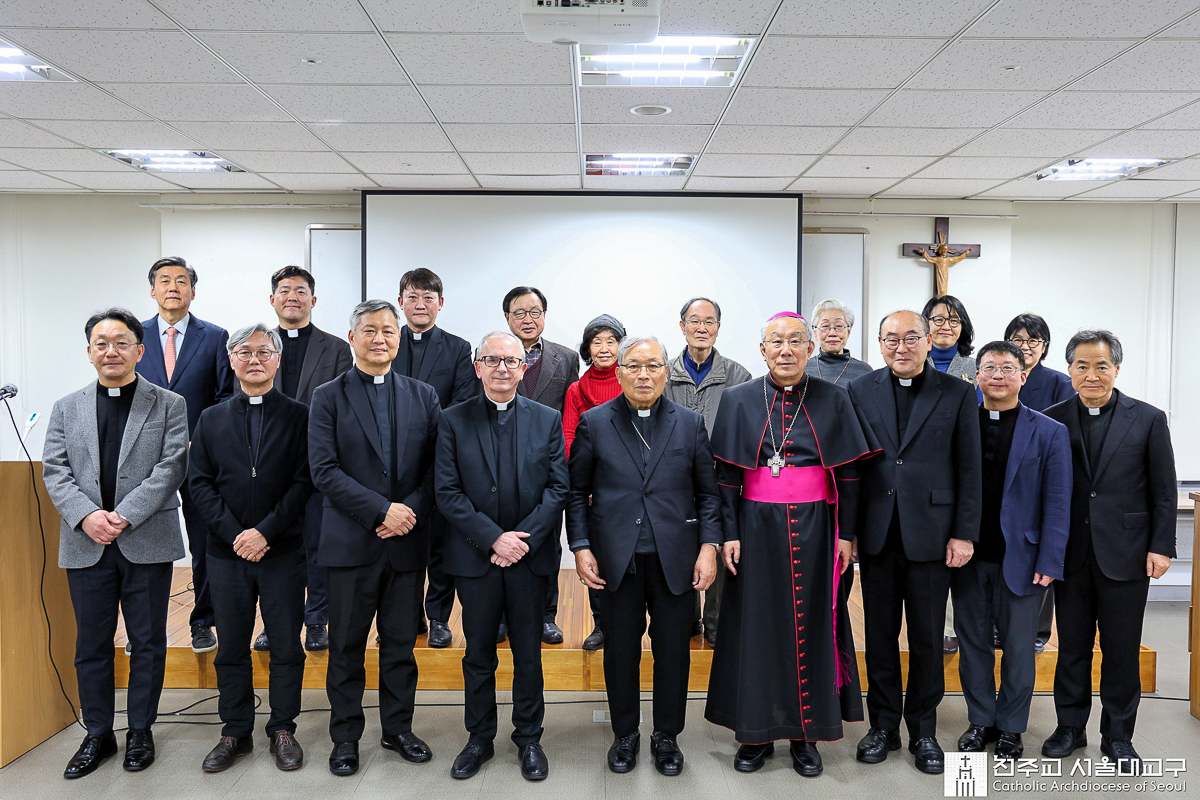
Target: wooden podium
(32,708)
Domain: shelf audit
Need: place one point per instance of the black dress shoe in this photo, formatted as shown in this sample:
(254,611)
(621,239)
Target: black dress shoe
(534,765)
(1039,645)
(977,738)
(551,634)
(203,638)
(502,633)
(595,639)
(139,750)
(875,746)
(316,637)
(228,750)
(930,758)
(1121,752)
(710,636)
(750,757)
(343,760)
(1064,741)
(408,746)
(1009,746)
(949,645)
(439,634)
(668,758)
(91,754)
(805,758)
(289,755)
(261,643)
(468,762)
(622,756)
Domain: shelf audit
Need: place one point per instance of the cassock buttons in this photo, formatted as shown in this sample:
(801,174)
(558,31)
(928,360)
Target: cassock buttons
(899,461)
(493,488)
(1093,494)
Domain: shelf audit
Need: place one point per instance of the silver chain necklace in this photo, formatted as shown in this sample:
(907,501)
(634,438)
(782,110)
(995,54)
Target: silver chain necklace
(639,433)
(840,374)
(775,462)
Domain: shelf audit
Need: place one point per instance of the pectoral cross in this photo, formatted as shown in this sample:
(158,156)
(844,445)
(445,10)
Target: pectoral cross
(775,462)
(944,255)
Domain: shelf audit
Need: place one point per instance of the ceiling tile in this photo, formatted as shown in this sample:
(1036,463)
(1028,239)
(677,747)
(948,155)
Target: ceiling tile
(633,183)
(148,135)
(278,57)
(73,160)
(382,137)
(866,166)
(466,16)
(707,17)
(30,180)
(1031,143)
(1142,188)
(501,104)
(1041,64)
(644,139)
(1092,19)
(876,17)
(1153,66)
(968,109)
(1183,119)
(481,59)
(689,106)
(268,15)
(981,168)
(1083,110)
(92,14)
(834,63)
(754,106)
(904,141)
(742,165)
(1188,29)
(529,181)
(1034,189)
(1147,144)
(773,139)
(939,188)
(53,100)
(4,165)
(130,180)
(425,181)
(14,133)
(126,56)
(407,163)
(521,163)
(351,103)
(221,180)
(1185,170)
(512,138)
(287,161)
(706,183)
(850,187)
(251,135)
(322,182)
(174,102)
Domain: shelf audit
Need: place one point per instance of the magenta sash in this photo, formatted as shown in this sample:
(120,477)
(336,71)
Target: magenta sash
(793,485)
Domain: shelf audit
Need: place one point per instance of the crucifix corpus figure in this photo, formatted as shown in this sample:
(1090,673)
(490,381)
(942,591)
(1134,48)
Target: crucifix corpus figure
(944,255)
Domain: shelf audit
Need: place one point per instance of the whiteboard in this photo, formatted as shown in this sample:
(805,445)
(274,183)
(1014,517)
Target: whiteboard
(835,267)
(334,257)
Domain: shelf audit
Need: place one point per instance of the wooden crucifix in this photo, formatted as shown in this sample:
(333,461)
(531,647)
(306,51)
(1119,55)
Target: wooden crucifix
(944,255)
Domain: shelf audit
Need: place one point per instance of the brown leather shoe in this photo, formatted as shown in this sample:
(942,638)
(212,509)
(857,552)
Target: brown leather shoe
(287,751)
(227,751)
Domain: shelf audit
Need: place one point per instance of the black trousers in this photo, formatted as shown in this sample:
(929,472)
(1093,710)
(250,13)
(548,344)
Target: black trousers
(893,585)
(316,606)
(983,603)
(439,597)
(1088,599)
(356,596)
(516,593)
(623,620)
(277,585)
(141,592)
(197,535)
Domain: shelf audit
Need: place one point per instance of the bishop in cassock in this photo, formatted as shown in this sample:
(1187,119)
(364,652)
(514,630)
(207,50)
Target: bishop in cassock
(785,447)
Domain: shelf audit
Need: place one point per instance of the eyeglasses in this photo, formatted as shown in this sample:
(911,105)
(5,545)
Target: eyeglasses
(512,362)
(120,347)
(1031,343)
(651,369)
(825,327)
(794,343)
(520,313)
(938,322)
(1007,370)
(264,355)
(893,342)
(694,322)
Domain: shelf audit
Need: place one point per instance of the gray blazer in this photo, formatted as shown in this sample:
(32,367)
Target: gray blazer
(705,398)
(151,467)
(961,367)
(560,368)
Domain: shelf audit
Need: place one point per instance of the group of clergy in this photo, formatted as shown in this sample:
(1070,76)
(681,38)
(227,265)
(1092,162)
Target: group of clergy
(336,484)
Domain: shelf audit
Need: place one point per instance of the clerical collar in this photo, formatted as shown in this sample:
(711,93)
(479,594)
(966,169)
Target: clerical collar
(909,383)
(293,333)
(501,406)
(117,391)
(254,400)
(1104,409)
(641,412)
(996,416)
(417,335)
(774,384)
(376,379)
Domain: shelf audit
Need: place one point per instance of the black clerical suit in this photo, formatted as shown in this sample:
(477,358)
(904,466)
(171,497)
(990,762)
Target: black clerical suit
(644,512)
(443,361)
(924,490)
(1123,506)
(249,469)
(371,444)
(501,470)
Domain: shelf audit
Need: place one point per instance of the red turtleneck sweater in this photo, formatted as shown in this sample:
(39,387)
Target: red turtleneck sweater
(594,387)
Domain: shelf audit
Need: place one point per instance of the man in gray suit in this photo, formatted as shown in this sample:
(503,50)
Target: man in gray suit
(549,369)
(116,452)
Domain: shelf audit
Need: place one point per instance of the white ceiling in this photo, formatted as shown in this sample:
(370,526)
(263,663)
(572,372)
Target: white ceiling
(858,98)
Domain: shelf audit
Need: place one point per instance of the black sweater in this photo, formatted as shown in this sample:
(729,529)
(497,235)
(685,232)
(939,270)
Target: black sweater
(236,491)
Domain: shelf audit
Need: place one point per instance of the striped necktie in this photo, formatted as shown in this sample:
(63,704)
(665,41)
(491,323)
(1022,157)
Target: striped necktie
(169,353)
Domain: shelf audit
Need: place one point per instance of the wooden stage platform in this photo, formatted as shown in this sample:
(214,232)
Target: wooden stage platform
(566,666)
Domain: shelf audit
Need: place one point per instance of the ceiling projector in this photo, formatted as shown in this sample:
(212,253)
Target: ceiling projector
(591,21)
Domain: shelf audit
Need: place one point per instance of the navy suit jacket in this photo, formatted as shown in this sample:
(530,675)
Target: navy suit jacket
(447,365)
(1045,387)
(1035,511)
(466,485)
(345,454)
(202,373)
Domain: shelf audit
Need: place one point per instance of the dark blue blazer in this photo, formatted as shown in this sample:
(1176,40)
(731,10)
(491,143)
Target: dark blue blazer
(447,365)
(466,485)
(1044,387)
(202,372)
(1035,512)
(345,454)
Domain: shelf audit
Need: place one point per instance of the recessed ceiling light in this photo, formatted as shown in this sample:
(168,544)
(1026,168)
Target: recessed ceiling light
(17,65)
(173,160)
(1099,169)
(666,61)
(657,165)
(650,111)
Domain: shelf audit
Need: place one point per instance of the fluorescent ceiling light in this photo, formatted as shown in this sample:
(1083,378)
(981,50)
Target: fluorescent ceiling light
(1099,169)
(173,160)
(643,164)
(17,65)
(666,61)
